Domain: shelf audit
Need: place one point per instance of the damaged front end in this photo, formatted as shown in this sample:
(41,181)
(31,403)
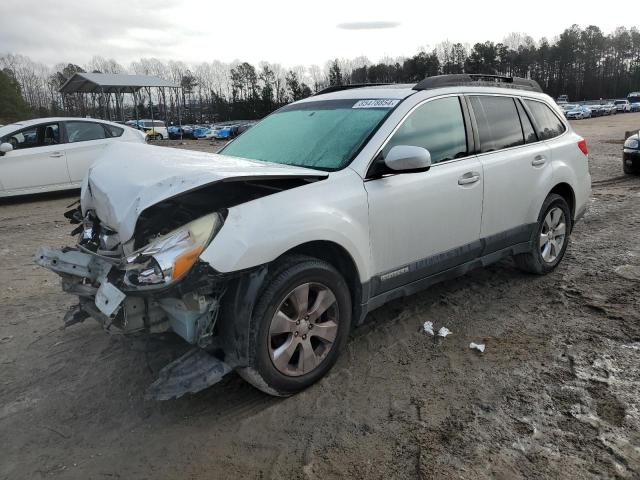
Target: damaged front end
(146,216)
(159,287)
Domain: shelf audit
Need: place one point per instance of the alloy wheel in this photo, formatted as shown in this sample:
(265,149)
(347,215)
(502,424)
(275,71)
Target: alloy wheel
(553,235)
(303,329)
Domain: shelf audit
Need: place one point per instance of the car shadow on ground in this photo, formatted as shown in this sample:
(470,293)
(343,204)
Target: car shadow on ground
(72,195)
(233,398)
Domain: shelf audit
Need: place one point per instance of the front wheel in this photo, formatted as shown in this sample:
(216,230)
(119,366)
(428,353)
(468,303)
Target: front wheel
(629,168)
(551,237)
(302,320)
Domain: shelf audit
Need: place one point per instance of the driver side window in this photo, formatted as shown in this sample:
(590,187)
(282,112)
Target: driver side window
(38,136)
(438,126)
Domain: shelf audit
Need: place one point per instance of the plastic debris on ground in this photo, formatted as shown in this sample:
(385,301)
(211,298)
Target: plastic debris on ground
(477,346)
(428,328)
(444,331)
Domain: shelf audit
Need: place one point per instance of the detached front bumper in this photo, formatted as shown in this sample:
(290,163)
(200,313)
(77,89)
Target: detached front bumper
(94,279)
(190,314)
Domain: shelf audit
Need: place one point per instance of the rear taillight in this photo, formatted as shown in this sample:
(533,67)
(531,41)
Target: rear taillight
(582,145)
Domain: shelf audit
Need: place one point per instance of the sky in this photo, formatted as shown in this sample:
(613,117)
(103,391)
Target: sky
(278,31)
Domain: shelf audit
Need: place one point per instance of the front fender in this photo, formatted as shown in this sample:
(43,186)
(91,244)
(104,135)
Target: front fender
(258,232)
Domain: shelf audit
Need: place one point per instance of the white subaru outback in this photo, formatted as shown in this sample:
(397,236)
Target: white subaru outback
(264,256)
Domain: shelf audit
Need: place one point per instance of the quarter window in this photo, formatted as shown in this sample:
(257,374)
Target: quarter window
(438,126)
(113,130)
(498,122)
(549,125)
(84,131)
(529,133)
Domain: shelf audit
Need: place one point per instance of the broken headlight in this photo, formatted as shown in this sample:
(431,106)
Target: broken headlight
(169,257)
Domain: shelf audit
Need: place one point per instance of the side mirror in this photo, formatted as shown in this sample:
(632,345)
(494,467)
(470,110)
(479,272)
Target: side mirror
(5,148)
(407,158)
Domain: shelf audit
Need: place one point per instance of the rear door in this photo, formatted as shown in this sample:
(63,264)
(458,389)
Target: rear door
(37,160)
(517,170)
(85,142)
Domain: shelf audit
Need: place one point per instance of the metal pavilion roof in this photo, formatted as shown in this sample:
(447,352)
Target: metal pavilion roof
(111,83)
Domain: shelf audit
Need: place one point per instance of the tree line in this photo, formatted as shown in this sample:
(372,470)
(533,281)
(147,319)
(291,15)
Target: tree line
(584,63)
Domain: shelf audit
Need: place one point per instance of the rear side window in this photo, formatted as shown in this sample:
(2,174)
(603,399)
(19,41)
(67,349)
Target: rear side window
(84,131)
(549,125)
(498,122)
(158,124)
(438,126)
(113,130)
(527,128)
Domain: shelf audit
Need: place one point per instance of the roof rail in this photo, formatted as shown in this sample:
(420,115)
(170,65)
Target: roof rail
(337,88)
(475,79)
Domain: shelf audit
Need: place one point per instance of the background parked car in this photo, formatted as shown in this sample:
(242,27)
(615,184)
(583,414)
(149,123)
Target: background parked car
(622,106)
(611,109)
(200,131)
(578,112)
(635,107)
(567,107)
(49,154)
(631,155)
(154,129)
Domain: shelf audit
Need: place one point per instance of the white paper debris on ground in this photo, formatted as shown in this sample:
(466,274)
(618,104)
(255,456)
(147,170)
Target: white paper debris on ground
(444,331)
(428,328)
(477,346)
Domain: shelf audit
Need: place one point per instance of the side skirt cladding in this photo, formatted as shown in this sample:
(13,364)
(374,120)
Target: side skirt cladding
(417,276)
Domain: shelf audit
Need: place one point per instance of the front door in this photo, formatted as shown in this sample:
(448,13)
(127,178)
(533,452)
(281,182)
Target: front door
(36,161)
(426,222)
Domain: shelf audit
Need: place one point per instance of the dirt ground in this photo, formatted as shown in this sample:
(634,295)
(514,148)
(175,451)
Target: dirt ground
(556,394)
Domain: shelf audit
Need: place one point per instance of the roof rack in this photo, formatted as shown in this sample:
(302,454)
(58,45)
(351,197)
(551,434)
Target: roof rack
(337,88)
(480,80)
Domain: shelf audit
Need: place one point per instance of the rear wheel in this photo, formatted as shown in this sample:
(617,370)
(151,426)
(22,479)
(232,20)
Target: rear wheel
(302,320)
(551,237)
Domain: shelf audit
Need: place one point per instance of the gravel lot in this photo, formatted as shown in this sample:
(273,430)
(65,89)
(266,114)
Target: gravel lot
(556,394)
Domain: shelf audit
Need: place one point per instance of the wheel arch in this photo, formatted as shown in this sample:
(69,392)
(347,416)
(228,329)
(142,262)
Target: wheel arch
(243,291)
(566,191)
(337,256)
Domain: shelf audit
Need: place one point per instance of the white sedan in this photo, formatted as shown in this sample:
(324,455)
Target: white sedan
(48,154)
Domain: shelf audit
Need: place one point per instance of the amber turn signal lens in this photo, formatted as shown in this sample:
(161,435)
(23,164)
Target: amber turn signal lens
(185,261)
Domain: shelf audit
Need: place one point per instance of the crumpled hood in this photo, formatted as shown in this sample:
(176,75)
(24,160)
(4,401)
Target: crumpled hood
(129,178)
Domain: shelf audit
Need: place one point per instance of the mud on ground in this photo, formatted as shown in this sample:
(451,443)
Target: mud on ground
(556,394)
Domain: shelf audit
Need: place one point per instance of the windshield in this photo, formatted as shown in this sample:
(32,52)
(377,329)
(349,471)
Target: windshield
(324,135)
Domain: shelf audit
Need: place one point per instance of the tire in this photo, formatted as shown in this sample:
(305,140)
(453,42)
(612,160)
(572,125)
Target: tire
(159,137)
(544,259)
(630,169)
(280,370)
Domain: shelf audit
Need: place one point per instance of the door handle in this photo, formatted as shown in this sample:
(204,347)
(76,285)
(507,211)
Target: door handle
(56,154)
(468,178)
(538,160)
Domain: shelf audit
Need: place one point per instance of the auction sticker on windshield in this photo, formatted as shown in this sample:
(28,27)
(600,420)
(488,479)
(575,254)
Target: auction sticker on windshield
(376,103)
